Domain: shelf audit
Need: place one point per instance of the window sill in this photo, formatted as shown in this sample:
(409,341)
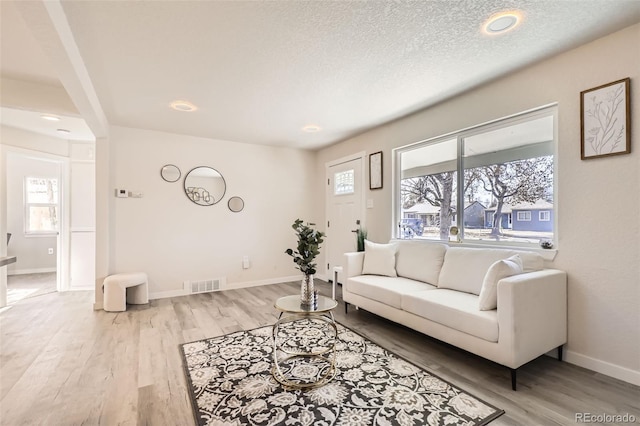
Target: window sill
(41,235)
(547,254)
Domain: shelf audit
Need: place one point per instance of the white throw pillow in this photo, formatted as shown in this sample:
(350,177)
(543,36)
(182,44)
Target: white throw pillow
(379,259)
(488,299)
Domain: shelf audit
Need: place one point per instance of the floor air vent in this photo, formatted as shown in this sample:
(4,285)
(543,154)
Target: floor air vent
(205,286)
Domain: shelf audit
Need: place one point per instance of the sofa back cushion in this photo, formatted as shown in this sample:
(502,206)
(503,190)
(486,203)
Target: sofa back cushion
(531,261)
(464,268)
(379,259)
(420,261)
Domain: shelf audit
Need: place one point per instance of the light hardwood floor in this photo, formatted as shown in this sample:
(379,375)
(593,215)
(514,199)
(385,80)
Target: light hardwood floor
(29,285)
(61,363)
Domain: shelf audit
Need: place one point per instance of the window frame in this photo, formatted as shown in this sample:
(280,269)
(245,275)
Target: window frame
(27,211)
(461,135)
(544,216)
(526,216)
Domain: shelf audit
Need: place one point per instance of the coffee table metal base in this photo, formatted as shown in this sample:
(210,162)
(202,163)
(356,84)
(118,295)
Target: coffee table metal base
(326,355)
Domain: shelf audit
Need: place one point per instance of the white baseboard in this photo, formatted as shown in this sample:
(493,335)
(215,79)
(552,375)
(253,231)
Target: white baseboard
(168,293)
(30,271)
(246,284)
(603,367)
(232,286)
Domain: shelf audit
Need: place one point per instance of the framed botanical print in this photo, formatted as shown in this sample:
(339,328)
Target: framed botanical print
(375,170)
(605,120)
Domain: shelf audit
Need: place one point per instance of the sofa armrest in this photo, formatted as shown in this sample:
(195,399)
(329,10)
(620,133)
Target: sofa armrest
(353,264)
(532,314)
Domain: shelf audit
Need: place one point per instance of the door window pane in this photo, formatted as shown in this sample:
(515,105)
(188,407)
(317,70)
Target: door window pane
(344,182)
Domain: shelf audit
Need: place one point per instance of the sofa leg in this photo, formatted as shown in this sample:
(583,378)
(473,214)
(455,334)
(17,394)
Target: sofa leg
(346,307)
(513,378)
(560,353)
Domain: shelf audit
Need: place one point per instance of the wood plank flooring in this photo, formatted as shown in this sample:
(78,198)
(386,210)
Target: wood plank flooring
(61,363)
(29,285)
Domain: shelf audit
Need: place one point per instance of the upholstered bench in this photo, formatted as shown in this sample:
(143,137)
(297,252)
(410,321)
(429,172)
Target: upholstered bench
(120,289)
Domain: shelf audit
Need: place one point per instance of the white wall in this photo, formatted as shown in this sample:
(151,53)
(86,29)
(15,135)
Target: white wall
(33,141)
(598,205)
(172,239)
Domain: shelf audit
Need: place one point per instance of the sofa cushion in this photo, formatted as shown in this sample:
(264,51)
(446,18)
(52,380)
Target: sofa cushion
(464,268)
(379,259)
(488,298)
(384,289)
(531,261)
(453,309)
(420,261)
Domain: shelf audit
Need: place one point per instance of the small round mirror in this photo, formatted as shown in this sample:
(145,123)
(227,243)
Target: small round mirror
(170,173)
(236,204)
(204,186)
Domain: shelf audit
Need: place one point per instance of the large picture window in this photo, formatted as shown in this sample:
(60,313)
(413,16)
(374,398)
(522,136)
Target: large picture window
(41,206)
(486,181)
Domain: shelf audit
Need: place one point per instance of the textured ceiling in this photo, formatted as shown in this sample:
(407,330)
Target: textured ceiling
(260,71)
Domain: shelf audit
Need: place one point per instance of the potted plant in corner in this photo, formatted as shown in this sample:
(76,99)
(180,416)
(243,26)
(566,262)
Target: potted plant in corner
(361,235)
(309,241)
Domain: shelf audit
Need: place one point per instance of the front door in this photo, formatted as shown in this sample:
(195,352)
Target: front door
(345,210)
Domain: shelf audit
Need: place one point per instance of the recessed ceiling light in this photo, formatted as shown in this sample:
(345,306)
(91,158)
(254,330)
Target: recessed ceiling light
(50,117)
(311,128)
(63,131)
(502,22)
(184,106)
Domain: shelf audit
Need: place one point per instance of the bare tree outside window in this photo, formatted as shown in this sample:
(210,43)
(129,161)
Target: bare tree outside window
(438,190)
(524,181)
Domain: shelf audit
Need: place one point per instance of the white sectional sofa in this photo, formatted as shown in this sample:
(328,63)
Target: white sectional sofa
(436,289)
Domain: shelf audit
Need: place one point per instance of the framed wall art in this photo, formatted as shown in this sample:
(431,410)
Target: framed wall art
(375,170)
(605,120)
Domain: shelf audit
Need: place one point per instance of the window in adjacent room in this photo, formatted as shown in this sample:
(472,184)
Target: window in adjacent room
(41,205)
(476,179)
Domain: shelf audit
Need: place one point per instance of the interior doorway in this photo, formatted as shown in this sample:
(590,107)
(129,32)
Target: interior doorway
(345,207)
(37,218)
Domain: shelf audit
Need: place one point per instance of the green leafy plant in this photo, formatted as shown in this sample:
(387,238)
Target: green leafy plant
(361,235)
(309,241)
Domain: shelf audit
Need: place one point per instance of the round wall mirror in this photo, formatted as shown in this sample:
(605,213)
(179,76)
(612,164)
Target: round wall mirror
(170,173)
(204,186)
(236,204)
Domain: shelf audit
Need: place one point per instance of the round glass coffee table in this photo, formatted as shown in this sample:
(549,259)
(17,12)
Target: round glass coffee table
(306,337)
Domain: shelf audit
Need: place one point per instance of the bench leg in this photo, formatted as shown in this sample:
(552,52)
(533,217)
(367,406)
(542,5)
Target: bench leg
(114,297)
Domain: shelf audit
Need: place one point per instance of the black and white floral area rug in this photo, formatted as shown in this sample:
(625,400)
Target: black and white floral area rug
(231,383)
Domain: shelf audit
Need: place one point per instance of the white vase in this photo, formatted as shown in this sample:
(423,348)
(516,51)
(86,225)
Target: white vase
(307,291)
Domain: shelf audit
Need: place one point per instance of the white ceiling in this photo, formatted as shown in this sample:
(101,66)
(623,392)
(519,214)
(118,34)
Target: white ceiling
(260,71)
